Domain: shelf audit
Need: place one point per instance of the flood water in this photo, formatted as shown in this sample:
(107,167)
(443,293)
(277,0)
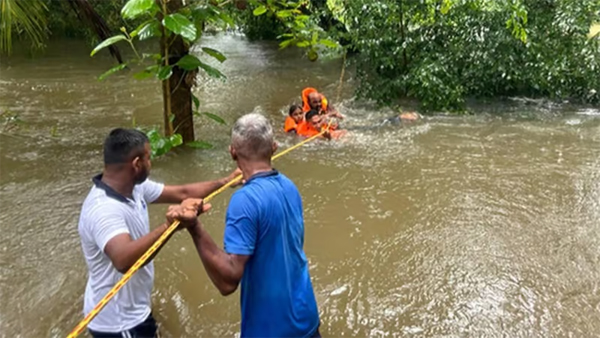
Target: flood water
(469,226)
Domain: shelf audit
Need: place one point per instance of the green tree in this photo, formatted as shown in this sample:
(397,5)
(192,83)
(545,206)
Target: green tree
(442,52)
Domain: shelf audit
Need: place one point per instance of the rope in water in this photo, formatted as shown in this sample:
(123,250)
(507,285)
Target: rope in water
(160,241)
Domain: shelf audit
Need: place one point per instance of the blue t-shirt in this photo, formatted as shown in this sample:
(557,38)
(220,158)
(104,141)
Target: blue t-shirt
(265,220)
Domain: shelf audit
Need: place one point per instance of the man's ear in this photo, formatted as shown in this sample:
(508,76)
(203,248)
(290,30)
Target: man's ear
(274,147)
(233,153)
(136,163)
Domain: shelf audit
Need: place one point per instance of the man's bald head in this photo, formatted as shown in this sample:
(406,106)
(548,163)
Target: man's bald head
(315,101)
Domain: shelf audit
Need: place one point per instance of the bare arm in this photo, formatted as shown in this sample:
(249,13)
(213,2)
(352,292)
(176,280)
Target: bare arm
(124,251)
(225,270)
(178,193)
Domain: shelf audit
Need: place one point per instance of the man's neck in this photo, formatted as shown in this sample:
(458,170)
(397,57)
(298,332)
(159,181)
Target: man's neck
(251,168)
(118,183)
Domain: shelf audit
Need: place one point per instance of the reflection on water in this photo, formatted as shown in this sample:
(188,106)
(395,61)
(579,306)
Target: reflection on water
(471,226)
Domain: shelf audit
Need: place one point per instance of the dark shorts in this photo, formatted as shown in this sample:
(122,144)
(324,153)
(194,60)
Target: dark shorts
(147,329)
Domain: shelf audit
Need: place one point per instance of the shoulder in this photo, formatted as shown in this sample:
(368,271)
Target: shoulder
(286,180)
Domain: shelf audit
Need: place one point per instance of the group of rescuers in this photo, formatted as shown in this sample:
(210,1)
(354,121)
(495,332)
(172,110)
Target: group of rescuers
(263,238)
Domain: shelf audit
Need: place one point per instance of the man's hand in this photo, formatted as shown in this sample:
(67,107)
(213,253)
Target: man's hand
(338,115)
(187,212)
(237,172)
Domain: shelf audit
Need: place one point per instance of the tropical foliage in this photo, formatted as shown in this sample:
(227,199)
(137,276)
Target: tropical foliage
(442,52)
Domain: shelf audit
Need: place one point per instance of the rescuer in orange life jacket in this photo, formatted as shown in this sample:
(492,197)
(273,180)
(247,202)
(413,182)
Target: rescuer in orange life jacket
(313,100)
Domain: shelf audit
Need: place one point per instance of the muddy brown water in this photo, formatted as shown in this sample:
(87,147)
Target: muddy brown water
(473,226)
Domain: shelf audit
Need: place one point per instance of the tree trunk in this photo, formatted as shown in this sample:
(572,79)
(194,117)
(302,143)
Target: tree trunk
(86,13)
(177,91)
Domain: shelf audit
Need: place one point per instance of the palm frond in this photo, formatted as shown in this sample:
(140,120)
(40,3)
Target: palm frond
(27,17)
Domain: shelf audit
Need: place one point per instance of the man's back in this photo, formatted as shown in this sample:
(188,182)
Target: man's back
(265,221)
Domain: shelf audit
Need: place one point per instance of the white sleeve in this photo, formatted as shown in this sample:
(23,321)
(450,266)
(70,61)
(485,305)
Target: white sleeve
(104,226)
(151,190)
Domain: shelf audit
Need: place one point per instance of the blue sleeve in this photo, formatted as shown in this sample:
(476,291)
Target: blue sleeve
(241,225)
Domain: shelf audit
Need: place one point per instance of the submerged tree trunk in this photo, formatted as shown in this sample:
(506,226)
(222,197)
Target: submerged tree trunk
(177,90)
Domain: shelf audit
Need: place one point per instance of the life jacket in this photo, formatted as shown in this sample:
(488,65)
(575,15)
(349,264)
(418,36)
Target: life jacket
(306,129)
(290,125)
(307,91)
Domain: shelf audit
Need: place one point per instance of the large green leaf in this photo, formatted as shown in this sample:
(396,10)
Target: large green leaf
(149,30)
(176,140)
(214,53)
(260,10)
(286,43)
(303,44)
(164,72)
(108,42)
(199,145)
(146,73)
(211,71)
(112,71)
(196,101)
(188,62)
(214,117)
(135,8)
(179,24)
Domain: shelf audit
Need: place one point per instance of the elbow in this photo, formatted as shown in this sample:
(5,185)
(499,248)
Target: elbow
(122,267)
(227,288)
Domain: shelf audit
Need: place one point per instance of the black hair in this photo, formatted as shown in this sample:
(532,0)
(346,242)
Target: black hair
(310,114)
(121,145)
(293,109)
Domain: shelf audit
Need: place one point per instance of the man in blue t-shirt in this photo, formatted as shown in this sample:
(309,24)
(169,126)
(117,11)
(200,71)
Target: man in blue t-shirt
(264,239)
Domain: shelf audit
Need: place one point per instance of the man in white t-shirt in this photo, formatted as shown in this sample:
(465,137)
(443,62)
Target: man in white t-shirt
(115,233)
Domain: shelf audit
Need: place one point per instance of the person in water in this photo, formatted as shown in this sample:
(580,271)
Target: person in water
(314,123)
(313,100)
(115,232)
(264,239)
(295,117)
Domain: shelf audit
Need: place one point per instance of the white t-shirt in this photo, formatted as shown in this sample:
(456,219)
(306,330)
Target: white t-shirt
(105,214)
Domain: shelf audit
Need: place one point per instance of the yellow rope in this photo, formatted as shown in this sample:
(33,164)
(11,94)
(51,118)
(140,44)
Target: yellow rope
(160,241)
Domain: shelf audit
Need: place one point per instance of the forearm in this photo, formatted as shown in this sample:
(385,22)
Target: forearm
(135,249)
(217,263)
(203,189)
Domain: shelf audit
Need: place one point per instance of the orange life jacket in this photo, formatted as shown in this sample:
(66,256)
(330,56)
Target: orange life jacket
(306,129)
(307,91)
(290,125)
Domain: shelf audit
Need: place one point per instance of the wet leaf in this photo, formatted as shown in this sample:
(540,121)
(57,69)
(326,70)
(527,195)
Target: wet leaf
(176,140)
(211,71)
(196,101)
(149,30)
(146,73)
(164,72)
(260,10)
(303,44)
(188,62)
(112,71)
(180,25)
(214,53)
(286,43)
(135,8)
(108,42)
(214,117)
